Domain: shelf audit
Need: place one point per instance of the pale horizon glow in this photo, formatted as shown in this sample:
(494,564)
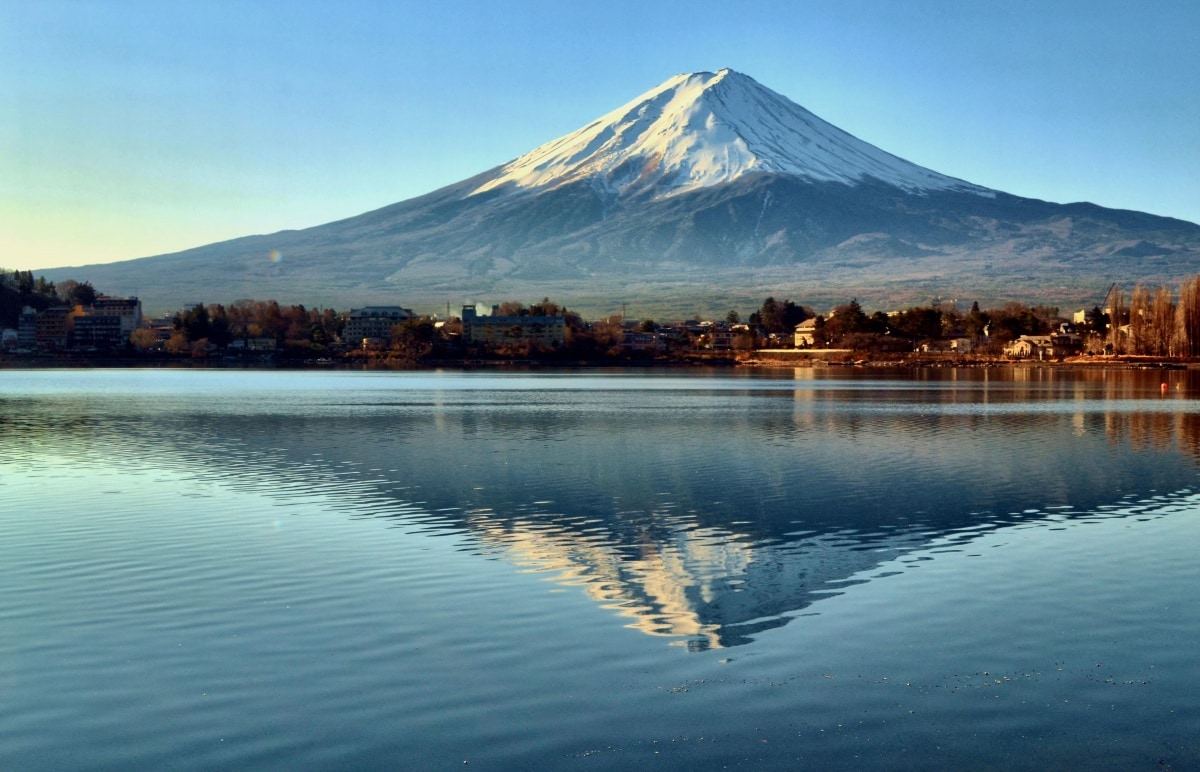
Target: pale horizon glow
(132,129)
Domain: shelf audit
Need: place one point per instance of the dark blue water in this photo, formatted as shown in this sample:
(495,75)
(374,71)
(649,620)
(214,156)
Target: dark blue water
(810,568)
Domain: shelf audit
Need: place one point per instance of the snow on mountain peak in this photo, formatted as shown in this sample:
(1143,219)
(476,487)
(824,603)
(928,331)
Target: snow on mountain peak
(702,129)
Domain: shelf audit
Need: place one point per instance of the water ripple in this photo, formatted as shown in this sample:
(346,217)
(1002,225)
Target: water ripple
(302,571)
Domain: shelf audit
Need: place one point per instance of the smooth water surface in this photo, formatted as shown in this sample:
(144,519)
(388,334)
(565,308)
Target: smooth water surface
(599,570)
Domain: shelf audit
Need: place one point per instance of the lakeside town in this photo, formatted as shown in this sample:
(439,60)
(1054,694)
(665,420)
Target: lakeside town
(72,322)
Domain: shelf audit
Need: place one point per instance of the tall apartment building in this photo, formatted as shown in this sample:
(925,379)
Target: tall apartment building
(494,330)
(53,327)
(373,322)
(128,310)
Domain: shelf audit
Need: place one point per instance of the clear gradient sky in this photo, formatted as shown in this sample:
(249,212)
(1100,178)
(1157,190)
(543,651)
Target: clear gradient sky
(138,128)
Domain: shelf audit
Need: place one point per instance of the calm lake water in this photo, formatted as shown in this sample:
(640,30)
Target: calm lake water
(599,570)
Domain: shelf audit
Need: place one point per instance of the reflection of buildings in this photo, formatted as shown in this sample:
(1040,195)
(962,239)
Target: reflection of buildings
(1155,432)
(781,497)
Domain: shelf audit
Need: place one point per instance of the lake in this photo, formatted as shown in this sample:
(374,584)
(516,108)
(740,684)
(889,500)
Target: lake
(593,570)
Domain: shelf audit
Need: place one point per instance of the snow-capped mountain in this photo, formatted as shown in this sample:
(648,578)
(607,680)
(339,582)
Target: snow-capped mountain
(705,190)
(705,129)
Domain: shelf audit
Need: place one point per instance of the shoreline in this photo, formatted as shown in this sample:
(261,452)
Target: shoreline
(776,359)
(1113,362)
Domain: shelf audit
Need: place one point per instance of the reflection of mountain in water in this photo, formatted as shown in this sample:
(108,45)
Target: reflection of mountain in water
(705,515)
(704,584)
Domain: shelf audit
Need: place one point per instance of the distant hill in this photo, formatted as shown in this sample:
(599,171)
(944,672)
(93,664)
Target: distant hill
(707,192)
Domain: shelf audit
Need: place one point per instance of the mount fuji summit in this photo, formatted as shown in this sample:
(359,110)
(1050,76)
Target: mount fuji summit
(705,191)
(705,130)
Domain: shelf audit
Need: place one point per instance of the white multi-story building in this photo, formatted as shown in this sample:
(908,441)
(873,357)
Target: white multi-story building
(27,328)
(373,322)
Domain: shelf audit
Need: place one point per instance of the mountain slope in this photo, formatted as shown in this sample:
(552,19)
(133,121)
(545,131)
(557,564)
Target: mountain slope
(706,191)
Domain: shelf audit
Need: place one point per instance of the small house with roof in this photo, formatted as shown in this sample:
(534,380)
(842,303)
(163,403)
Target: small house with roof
(805,333)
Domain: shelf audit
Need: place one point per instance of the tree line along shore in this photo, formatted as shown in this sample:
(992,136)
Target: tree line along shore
(72,321)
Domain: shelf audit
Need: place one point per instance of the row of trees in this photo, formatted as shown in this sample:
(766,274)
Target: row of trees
(774,317)
(292,326)
(18,289)
(846,326)
(849,326)
(1152,322)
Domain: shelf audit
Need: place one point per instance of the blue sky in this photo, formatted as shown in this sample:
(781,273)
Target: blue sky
(137,128)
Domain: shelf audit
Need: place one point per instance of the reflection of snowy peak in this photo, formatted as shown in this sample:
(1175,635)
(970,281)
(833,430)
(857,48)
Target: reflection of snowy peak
(704,129)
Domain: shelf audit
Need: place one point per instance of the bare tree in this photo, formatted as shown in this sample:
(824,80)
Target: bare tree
(1188,318)
(1161,322)
(1139,321)
(1117,319)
